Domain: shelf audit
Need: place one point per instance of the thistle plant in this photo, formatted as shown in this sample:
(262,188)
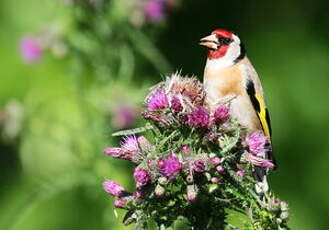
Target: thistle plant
(194,164)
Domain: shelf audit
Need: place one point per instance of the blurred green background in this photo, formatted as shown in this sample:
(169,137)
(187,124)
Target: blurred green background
(98,59)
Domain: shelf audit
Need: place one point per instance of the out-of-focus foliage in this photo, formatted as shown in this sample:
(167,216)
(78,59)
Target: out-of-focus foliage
(57,112)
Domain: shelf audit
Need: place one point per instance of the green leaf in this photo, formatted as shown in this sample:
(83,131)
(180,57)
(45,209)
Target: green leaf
(133,131)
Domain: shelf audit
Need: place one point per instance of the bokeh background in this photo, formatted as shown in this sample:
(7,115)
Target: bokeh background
(74,71)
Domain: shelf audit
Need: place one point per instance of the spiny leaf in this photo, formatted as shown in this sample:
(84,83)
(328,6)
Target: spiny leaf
(133,131)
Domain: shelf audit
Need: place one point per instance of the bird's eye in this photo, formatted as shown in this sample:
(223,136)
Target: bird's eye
(225,41)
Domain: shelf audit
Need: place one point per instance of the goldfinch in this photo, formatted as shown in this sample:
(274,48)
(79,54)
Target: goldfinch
(230,76)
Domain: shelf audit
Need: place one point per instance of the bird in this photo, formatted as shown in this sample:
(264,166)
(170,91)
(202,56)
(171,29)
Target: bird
(230,76)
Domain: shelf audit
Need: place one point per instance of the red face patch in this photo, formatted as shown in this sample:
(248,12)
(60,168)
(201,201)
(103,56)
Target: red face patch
(222,33)
(215,54)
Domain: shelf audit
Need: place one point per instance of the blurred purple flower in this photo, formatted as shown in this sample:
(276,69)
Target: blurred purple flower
(141,176)
(199,117)
(113,188)
(215,180)
(221,114)
(185,149)
(215,161)
(154,10)
(157,100)
(124,117)
(30,49)
(240,172)
(257,143)
(171,167)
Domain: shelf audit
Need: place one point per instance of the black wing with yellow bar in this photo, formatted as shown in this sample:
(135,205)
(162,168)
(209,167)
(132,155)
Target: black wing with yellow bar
(259,105)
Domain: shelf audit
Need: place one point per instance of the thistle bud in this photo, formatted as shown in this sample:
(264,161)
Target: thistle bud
(163,180)
(284,215)
(208,176)
(220,169)
(185,149)
(141,176)
(113,188)
(215,161)
(215,180)
(120,203)
(159,190)
(189,179)
(284,206)
(192,192)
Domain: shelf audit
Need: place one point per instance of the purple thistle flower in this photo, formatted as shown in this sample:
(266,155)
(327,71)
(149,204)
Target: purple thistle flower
(130,144)
(31,49)
(222,113)
(199,117)
(113,152)
(120,203)
(157,100)
(124,117)
(113,188)
(199,165)
(240,173)
(257,143)
(171,167)
(141,176)
(176,105)
(154,10)
(129,147)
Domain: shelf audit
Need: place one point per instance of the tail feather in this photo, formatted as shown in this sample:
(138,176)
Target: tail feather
(260,175)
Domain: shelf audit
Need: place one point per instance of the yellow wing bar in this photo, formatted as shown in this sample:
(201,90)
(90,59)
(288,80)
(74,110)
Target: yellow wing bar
(263,116)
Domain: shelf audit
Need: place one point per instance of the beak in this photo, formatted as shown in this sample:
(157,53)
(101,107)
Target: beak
(210,41)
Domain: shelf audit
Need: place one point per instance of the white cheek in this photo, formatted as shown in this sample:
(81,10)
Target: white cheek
(233,52)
